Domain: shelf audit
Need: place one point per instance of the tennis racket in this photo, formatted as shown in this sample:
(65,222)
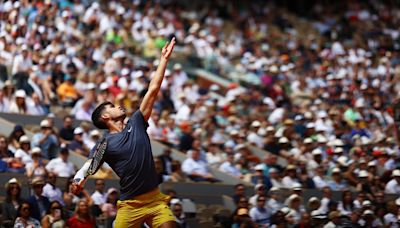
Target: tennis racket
(97,158)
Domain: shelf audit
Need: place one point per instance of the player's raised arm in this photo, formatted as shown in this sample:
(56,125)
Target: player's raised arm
(147,104)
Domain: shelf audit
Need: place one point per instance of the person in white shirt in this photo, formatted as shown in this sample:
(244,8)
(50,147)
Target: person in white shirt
(22,62)
(390,218)
(23,153)
(196,168)
(99,196)
(291,177)
(229,167)
(61,166)
(214,156)
(51,191)
(393,186)
(319,178)
(260,214)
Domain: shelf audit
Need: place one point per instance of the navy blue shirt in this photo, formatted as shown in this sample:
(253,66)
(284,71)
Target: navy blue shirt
(129,155)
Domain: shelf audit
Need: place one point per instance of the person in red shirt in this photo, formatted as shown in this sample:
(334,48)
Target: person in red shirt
(82,217)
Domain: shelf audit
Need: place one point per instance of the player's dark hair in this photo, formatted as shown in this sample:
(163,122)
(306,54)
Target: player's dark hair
(96,115)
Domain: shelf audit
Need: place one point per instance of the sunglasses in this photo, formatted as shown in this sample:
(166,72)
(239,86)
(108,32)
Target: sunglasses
(26,209)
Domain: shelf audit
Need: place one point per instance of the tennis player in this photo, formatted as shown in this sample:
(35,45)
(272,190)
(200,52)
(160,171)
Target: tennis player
(128,151)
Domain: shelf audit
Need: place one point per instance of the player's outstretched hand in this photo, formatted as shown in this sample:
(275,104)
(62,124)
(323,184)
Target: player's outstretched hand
(77,187)
(167,49)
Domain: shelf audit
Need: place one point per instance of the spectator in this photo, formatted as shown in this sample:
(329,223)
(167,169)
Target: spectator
(260,191)
(19,105)
(12,202)
(260,214)
(334,220)
(177,174)
(23,153)
(82,217)
(273,202)
(345,206)
(54,216)
(166,161)
(13,139)
(239,193)
(260,178)
(67,93)
(229,167)
(99,197)
(67,130)
(393,186)
(242,219)
(24,218)
(94,137)
(61,166)
(177,210)
(214,156)
(46,140)
(337,184)
(196,169)
(39,204)
(8,162)
(51,191)
(36,167)
(77,144)
(291,177)
(319,178)
(276,180)
(109,208)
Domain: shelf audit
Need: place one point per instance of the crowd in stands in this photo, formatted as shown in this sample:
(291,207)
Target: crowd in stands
(318,92)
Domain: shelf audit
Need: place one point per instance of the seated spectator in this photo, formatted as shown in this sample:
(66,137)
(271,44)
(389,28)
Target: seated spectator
(243,219)
(82,217)
(166,161)
(23,153)
(24,218)
(19,104)
(275,178)
(177,174)
(260,214)
(46,140)
(295,205)
(337,183)
(177,211)
(273,202)
(77,144)
(239,193)
(260,191)
(334,220)
(94,136)
(319,178)
(39,204)
(291,177)
(36,167)
(51,191)
(196,169)
(13,139)
(313,204)
(346,205)
(67,131)
(11,203)
(393,186)
(214,156)
(54,216)
(99,197)
(61,166)
(229,167)
(67,92)
(7,161)
(109,208)
(260,178)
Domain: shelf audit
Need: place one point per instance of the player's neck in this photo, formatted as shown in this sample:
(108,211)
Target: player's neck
(116,126)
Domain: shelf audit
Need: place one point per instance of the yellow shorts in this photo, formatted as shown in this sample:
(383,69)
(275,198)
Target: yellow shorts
(150,208)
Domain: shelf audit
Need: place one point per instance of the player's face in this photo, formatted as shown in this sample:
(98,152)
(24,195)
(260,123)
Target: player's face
(115,112)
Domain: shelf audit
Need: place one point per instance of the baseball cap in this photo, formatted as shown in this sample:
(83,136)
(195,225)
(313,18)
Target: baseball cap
(78,131)
(396,173)
(363,173)
(24,139)
(259,167)
(36,150)
(44,123)
(20,93)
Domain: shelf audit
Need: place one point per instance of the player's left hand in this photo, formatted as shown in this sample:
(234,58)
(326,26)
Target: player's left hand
(167,49)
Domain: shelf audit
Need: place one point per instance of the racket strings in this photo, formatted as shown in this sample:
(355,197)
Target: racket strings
(97,158)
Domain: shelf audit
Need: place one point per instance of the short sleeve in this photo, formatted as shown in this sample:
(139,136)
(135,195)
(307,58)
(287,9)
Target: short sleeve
(137,119)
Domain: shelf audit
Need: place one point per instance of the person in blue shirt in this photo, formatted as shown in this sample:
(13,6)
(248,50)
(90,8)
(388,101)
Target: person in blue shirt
(129,154)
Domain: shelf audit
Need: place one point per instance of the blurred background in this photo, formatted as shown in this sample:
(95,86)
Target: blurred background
(271,113)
